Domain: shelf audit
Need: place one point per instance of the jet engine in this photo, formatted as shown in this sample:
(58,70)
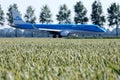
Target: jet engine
(64,33)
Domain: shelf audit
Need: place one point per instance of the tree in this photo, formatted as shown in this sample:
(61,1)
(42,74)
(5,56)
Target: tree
(80,13)
(114,16)
(2,20)
(97,14)
(9,14)
(63,15)
(45,15)
(29,16)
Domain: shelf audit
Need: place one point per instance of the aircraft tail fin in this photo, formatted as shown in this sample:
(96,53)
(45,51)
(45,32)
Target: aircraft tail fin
(16,17)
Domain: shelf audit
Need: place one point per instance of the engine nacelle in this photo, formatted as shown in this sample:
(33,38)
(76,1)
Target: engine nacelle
(64,33)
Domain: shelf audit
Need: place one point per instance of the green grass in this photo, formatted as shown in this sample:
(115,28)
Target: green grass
(59,59)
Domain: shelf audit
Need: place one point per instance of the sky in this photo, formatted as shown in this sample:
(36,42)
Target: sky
(53,5)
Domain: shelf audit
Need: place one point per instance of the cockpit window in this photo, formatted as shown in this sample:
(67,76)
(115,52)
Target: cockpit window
(96,27)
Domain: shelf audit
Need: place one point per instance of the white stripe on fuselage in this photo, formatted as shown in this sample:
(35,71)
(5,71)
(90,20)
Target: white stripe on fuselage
(70,31)
(44,29)
(84,32)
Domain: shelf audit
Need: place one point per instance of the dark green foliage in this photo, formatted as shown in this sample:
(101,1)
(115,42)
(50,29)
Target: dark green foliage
(2,20)
(114,16)
(9,14)
(29,16)
(97,16)
(10,17)
(45,15)
(80,13)
(63,16)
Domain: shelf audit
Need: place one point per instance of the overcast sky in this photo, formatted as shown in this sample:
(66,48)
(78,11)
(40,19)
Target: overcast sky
(54,5)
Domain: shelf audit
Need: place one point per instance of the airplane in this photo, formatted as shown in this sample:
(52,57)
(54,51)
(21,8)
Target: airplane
(60,30)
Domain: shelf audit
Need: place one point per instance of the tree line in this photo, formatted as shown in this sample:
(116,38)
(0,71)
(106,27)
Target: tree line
(64,14)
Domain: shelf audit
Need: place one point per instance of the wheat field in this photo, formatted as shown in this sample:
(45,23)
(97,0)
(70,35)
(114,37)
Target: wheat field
(59,59)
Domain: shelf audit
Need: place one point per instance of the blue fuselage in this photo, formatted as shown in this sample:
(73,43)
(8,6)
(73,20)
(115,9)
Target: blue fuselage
(62,27)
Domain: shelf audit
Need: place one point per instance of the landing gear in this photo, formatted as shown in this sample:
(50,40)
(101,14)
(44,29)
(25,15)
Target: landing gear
(57,36)
(54,36)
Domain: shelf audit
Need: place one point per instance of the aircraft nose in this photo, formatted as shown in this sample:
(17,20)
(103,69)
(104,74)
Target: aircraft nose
(102,30)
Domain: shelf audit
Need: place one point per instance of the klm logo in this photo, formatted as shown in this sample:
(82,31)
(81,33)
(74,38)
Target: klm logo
(17,18)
